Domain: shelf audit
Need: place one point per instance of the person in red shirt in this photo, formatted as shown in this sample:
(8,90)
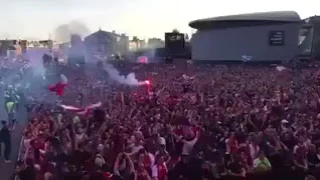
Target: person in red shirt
(142,173)
(146,159)
(232,144)
(178,131)
(160,168)
(38,145)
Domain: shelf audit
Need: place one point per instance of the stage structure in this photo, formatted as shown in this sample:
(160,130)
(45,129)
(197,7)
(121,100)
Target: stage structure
(309,38)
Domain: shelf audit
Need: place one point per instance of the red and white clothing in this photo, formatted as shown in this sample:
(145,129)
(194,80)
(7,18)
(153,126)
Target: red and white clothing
(148,160)
(231,145)
(159,171)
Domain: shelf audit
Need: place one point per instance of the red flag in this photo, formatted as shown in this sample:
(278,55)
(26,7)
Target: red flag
(58,88)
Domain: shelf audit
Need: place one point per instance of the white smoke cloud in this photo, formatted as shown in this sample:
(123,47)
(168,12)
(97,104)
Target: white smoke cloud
(34,55)
(73,32)
(64,31)
(130,79)
(29,78)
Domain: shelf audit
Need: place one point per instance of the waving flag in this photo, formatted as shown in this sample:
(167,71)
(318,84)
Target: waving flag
(82,111)
(58,88)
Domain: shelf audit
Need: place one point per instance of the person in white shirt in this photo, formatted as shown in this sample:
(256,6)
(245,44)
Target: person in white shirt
(99,160)
(188,144)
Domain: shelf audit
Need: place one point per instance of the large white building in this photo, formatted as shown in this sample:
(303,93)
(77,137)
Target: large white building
(269,36)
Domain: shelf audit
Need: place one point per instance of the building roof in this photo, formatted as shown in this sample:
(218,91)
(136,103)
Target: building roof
(103,36)
(273,16)
(98,34)
(312,19)
(104,33)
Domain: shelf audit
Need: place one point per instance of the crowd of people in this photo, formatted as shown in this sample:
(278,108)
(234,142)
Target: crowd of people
(192,122)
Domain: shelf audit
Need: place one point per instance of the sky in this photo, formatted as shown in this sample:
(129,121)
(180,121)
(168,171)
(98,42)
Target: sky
(38,19)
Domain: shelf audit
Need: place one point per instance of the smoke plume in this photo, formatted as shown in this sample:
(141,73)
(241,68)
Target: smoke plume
(130,79)
(34,55)
(35,75)
(64,31)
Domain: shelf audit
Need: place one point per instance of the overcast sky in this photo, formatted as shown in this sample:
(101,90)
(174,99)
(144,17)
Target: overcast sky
(143,18)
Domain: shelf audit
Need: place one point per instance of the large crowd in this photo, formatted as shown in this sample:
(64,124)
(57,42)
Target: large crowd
(192,122)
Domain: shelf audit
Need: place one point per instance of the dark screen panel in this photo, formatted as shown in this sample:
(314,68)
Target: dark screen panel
(174,43)
(276,38)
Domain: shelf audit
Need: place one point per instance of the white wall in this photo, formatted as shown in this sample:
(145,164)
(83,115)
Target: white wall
(232,43)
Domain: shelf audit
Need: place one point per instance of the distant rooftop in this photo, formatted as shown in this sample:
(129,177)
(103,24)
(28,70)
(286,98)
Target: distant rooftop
(259,17)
